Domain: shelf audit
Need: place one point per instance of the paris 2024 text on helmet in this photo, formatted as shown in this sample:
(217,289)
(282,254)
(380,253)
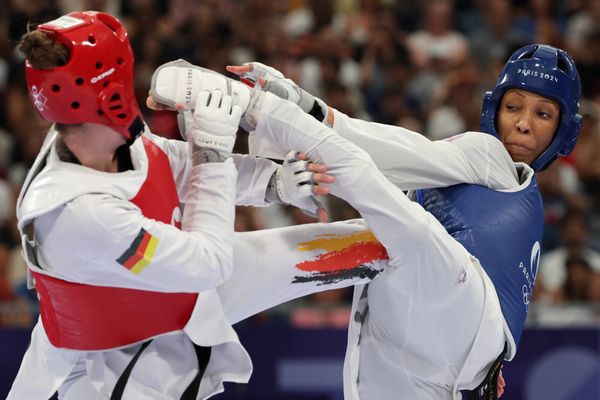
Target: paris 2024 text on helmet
(96,84)
(549,72)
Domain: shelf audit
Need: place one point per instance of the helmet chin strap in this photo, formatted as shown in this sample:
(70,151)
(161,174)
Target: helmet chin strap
(135,130)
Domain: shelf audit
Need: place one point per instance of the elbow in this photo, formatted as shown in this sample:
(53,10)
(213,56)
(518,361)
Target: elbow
(222,261)
(217,257)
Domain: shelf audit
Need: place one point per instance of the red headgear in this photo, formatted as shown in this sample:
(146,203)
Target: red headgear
(96,84)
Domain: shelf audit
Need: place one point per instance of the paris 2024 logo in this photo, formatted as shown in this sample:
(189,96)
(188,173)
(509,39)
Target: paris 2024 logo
(530,272)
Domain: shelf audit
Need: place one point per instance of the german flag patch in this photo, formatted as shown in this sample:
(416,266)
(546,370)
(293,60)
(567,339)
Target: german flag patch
(140,253)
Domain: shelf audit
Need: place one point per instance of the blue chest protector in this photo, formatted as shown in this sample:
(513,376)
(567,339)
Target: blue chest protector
(503,230)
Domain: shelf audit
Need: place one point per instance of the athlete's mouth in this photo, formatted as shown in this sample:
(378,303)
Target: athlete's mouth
(518,148)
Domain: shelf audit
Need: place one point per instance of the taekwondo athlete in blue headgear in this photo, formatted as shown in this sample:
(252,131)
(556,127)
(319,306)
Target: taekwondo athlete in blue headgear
(549,72)
(462,264)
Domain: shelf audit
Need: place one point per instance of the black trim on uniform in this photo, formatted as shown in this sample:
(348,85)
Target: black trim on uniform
(203,355)
(488,389)
(117,393)
(317,112)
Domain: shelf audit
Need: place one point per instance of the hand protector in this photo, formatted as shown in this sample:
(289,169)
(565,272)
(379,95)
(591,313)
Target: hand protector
(211,127)
(294,183)
(179,82)
(275,82)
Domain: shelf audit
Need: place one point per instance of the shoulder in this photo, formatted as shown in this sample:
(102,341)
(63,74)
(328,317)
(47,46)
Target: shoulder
(83,237)
(94,215)
(475,137)
(167,145)
(478,142)
(487,153)
(175,150)
(61,183)
(91,223)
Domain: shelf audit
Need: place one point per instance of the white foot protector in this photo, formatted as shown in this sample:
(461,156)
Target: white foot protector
(180,82)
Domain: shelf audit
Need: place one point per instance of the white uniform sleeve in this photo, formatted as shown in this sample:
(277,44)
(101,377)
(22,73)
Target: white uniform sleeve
(92,239)
(401,225)
(412,161)
(254,174)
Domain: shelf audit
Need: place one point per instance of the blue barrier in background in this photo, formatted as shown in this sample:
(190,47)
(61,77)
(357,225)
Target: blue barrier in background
(294,364)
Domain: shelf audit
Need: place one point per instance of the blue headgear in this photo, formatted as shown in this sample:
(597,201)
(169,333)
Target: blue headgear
(549,72)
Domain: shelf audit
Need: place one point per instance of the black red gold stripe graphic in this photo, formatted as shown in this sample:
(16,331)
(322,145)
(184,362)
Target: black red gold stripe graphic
(345,257)
(140,253)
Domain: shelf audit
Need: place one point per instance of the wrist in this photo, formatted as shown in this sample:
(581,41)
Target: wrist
(317,111)
(322,112)
(206,155)
(250,119)
(271,194)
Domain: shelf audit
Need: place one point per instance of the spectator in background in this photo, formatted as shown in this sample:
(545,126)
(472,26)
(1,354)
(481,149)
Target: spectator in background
(385,65)
(541,21)
(436,42)
(578,274)
(593,298)
(458,110)
(6,244)
(580,25)
(435,49)
(559,187)
(593,292)
(587,163)
(585,155)
(553,265)
(589,65)
(28,144)
(494,39)
(15,309)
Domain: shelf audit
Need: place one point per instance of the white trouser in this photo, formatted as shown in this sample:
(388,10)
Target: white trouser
(431,329)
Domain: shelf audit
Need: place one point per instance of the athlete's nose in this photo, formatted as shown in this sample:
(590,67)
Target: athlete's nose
(524,123)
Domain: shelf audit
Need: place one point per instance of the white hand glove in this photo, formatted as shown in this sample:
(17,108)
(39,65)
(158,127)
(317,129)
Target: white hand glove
(294,184)
(179,82)
(211,127)
(275,82)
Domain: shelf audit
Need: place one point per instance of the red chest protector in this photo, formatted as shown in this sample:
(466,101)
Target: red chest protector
(86,317)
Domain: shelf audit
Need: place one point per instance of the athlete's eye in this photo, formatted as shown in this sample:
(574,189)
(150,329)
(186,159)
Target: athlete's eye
(545,115)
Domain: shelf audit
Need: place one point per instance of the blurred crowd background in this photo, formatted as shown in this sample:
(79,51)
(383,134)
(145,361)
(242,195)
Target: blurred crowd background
(422,65)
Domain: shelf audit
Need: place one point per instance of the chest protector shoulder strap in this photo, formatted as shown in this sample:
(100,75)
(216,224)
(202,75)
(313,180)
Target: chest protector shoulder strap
(88,317)
(503,230)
